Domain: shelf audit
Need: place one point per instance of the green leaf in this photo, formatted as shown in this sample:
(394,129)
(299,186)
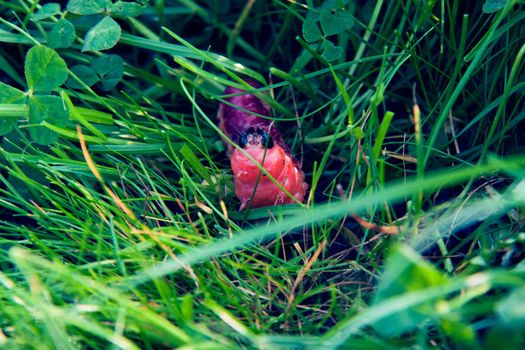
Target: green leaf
(188,154)
(378,95)
(425,12)
(357,132)
(6,126)
(512,309)
(9,94)
(86,7)
(110,69)
(381,133)
(462,334)
(44,69)
(405,272)
(346,98)
(46,11)
(311,30)
(104,35)
(504,338)
(50,109)
(61,35)
(330,51)
(491,6)
(335,21)
(84,73)
(128,9)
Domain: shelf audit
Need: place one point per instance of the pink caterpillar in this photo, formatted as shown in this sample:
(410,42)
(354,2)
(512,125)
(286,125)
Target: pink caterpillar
(264,143)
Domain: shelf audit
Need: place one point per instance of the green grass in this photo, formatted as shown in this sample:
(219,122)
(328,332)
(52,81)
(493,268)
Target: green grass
(408,113)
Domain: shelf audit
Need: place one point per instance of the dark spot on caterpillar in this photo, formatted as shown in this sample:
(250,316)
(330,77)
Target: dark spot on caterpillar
(243,139)
(255,137)
(267,140)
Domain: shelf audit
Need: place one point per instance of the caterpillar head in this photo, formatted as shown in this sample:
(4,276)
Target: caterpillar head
(255,137)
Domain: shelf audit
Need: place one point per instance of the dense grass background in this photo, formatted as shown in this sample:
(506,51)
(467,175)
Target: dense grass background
(118,223)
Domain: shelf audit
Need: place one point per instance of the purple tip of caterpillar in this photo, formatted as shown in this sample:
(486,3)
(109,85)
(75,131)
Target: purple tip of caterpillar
(244,111)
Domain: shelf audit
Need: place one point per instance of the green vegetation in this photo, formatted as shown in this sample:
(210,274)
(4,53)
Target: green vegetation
(119,227)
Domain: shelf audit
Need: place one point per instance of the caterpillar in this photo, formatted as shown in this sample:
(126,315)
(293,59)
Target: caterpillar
(241,118)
